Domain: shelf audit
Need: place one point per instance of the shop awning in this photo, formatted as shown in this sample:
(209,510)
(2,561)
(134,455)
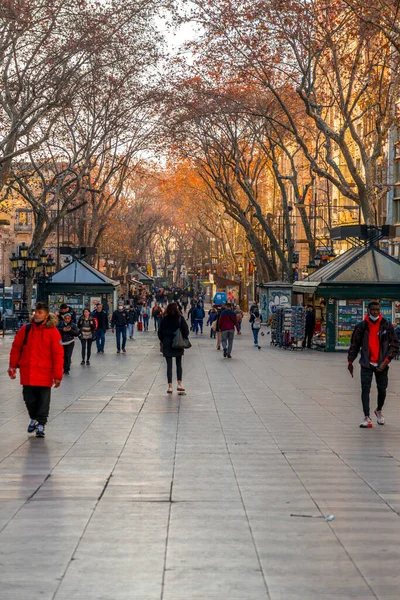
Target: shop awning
(141,277)
(273,284)
(223,281)
(365,269)
(134,281)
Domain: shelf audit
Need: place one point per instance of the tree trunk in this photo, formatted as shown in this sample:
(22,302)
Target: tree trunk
(308,231)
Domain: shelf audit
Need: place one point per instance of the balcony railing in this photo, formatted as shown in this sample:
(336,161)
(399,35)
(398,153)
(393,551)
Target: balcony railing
(25,227)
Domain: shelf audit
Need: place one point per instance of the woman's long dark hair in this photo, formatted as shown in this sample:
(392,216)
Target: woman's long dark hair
(172,310)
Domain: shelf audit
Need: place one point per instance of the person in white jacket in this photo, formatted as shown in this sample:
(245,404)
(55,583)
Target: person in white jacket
(145,314)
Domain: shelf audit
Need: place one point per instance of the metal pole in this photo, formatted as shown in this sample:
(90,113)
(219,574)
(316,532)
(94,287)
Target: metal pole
(58,234)
(24,311)
(4,306)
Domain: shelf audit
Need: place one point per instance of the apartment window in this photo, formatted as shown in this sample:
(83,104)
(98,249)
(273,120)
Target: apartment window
(23,219)
(396,209)
(396,175)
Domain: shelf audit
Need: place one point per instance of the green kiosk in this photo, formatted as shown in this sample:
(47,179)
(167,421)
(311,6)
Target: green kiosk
(347,284)
(81,286)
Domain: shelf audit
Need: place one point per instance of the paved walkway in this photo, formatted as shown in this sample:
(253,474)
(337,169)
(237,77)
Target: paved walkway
(218,495)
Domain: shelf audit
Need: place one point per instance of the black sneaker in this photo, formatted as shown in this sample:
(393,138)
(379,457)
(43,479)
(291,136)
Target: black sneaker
(40,431)
(225,353)
(83,362)
(123,350)
(118,351)
(229,356)
(88,362)
(32,425)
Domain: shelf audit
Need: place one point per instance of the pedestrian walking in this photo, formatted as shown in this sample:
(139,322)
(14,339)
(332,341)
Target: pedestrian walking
(69,331)
(190,315)
(37,353)
(87,334)
(375,337)
(254,306)
(255,321)
(132,319)
(170,323)
(212,322)
(217,329)
(199,315)
(65,309)
(227,324)
(101,320)
(310,327)
(145,314)
(119,322)
(239,316)
(185,302)
(156,313)
(397,331)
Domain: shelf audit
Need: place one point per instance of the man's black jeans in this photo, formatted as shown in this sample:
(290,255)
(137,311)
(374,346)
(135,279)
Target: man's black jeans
(37,400)
(308,336)
(381,378)
(68,350)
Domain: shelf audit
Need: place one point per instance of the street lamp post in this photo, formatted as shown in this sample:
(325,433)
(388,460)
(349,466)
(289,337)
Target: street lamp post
(45,269)
(240,271)
(23,266)
(26,266)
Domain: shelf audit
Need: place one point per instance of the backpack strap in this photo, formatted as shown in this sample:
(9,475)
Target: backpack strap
(27,330)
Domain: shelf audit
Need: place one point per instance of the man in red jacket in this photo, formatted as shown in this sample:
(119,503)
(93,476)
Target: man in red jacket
(226,324)
(378,343)
(38,354)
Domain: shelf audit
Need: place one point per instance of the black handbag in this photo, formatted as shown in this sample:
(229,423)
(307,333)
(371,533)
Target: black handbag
(179,342)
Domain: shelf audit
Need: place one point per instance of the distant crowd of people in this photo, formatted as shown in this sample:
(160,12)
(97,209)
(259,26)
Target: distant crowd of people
(43,349)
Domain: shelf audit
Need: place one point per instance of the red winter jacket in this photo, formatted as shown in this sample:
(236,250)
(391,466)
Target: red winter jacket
(228,321)
(42,356)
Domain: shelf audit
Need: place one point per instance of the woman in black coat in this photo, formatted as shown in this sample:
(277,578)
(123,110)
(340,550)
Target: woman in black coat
(171,321)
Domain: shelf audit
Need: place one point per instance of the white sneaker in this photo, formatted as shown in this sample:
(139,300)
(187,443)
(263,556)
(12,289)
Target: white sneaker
(366,423)
(380,419)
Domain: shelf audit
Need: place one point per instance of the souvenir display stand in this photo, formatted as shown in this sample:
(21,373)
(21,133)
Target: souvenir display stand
(288,326)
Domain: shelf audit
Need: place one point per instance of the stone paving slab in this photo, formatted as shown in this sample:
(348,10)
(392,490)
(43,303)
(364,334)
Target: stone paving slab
(216,495)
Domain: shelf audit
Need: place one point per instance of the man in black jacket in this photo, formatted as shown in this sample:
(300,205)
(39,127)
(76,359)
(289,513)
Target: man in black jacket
(64,310)
(102,326)
(310,326)
(378,342)
(119,321)
(132,319)
(69,331)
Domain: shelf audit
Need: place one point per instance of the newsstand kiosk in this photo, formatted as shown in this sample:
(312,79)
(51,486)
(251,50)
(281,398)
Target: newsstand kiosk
(347,284)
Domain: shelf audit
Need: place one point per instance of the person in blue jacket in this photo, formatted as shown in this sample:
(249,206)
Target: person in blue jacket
(199,315)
